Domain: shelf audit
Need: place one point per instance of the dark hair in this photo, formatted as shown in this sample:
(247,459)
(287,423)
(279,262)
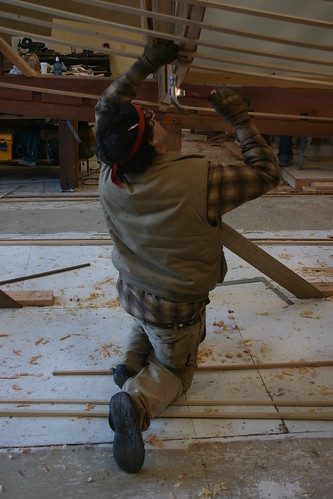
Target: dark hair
(114,142)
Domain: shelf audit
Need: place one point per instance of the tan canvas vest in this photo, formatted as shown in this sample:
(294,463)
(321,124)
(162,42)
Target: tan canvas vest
(163,242)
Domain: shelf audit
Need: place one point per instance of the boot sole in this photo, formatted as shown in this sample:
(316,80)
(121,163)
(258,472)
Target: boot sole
(128,446)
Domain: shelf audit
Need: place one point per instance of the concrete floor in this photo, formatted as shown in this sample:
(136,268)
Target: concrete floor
(185,458)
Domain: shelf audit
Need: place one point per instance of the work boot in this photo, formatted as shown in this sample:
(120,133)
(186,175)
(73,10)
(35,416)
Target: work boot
(121,374)
(285,160)
(124,420)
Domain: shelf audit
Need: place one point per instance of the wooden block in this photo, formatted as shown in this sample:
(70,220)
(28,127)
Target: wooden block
(322,186)
(325,287)
(306,188)
(32,298)
(174,130)
(7,302)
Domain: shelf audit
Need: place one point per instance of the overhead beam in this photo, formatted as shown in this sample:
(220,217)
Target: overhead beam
(190,21)
(192,33)
(261,13)
(267,76)
(178,39)
(180,70)
(190,54)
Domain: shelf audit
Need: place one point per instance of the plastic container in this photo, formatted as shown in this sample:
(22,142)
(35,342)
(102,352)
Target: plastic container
(57,67)
(6,145)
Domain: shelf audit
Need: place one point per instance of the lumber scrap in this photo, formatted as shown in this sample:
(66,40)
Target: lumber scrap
(7,301)
(322,186)
(31,298)
(268,265)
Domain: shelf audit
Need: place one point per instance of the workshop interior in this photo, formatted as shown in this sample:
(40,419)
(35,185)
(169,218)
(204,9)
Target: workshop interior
(257,420)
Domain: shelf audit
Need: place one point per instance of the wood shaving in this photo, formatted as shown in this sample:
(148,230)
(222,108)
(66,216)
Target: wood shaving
(309,314)
(203,354)
(285,256)
(153,440)
(39,341)
(65,337)
(205,493)
(219,488)
(220,324)
(325,391)
(319,271)
(34,359)
(180,482)
(90,406)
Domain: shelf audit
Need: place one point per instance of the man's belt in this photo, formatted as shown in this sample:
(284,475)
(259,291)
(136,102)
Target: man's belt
(171,325)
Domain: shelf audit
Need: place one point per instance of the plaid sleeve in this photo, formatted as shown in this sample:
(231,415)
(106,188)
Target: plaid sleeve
(230,186)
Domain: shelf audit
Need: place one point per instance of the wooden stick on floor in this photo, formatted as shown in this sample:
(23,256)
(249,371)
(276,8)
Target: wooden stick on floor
(178,403)
(43,274)
(218,367)
(267,264)
(305,416)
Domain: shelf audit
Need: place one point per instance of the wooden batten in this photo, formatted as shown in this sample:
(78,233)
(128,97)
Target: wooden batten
(30,298)
(16,59)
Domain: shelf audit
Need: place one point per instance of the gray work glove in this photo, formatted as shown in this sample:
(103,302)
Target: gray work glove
(229,105)
(158,53)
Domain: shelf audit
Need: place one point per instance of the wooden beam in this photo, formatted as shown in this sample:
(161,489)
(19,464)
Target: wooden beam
(178,39)
(200,25)
(68,156)
(98,241)
(16,59)
(292,416)
(201,95)
(43,274)
(268,265)
(32,298)
(262,13)
(193,33)
(269,365)
(216,367)
(304,416)
(7,301)
(178,403)
(250,62)
(2,64)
